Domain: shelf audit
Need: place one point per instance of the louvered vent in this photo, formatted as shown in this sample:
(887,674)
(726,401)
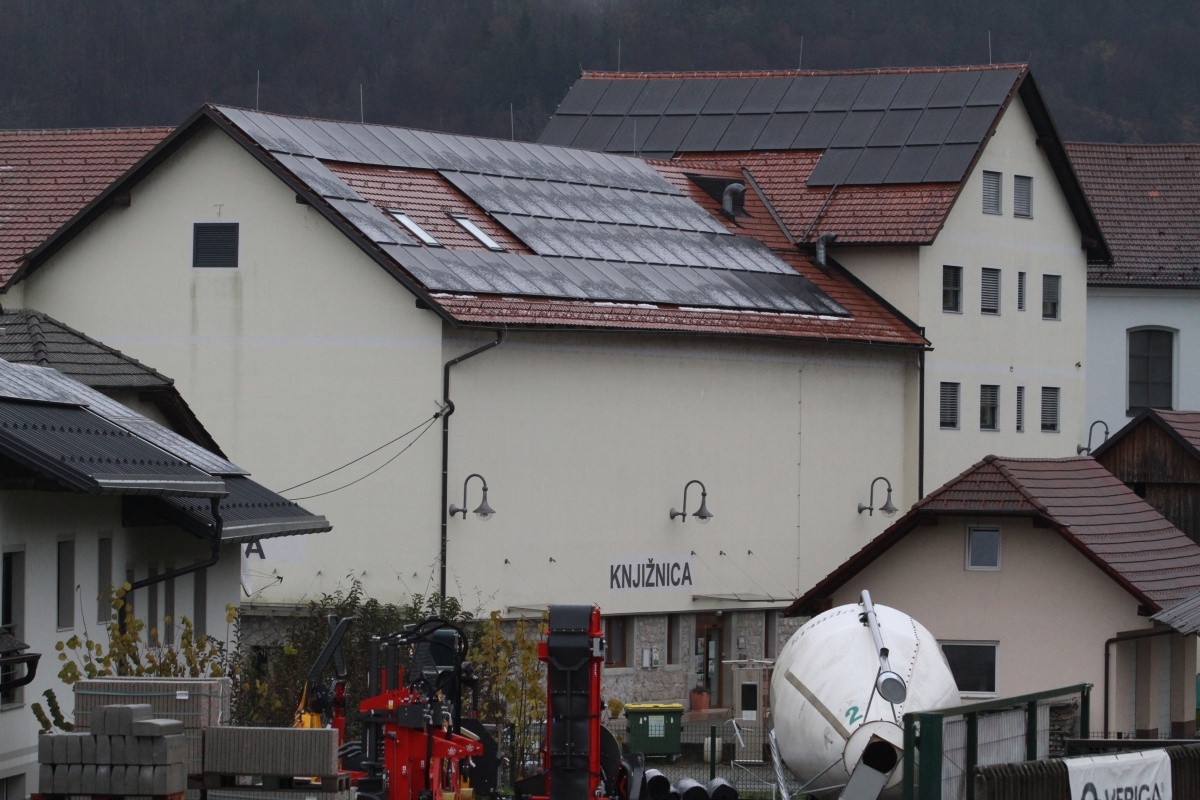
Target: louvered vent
(1050,408)
(989,302)
(1020,409)
(215,244)
(949,405)
(989,407)
(1020,291)
(991,192)
(1022,196)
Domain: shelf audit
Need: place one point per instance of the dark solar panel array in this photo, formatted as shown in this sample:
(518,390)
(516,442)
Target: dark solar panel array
(848,116)
(601,227)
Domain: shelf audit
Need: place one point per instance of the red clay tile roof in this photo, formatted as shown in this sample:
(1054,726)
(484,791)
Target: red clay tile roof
(47,176)
(1145,198)
(1096,513)
(890,214)
(1185,423)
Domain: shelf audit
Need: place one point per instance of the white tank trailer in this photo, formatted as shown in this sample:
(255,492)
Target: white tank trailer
(840,689)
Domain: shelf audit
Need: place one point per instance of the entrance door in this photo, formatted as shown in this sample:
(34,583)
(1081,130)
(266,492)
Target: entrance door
(710,652)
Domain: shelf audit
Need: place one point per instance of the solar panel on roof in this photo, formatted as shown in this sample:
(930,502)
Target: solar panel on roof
(371,221)
(873,165)
(705,133)
(317,177)
(742,132)
(933,126)
(583,96)
(916,90)
(972,125)
(692,96)
(619,97)
(780,131)
(386,155)
(358,153)
(597,132)
(895,127)
(668,134)
(330,146)
(263,130)
(834,167)
(841,92)
(856,129)
(802,94)
(655,96)
(307,145)
(632,134)
(993,87)
(729,95)
(408,156)
(818,131)
(951,163)
(765,96)
(877,93)
(954,90)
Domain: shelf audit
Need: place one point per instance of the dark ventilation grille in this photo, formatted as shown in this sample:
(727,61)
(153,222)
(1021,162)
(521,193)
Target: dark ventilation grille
(1050,409)
(989,407)
(989,302)
(1020,291)
(948,410)
(215,244)
(991,192)
(1020,409)
(1022,196)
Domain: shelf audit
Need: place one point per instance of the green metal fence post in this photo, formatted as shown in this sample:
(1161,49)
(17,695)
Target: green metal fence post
(930,768)
(1031,732)
(910,760)
(972,753)
(712,752)
(1085,711)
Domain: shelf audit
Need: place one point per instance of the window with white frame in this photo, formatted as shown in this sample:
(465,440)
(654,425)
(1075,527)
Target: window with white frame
(1023,196)
(983,548)
(1020,291)
(1051,296)
(991,192)
(470,227)
(952,288)
(412,227)
(973,665)
(1050,396)
(989,291)
(948,406)
(989,407)
(1020,409)
(1151,369)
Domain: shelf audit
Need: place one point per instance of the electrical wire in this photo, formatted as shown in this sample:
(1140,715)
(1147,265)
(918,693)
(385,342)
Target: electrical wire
(424,430)
(364,455)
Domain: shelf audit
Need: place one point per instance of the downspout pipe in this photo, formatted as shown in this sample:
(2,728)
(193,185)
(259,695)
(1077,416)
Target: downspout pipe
(921,420)
(447,410)
(214,557)
(1129,637)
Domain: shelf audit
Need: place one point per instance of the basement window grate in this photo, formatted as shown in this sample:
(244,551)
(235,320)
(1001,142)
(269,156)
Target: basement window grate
(215,245)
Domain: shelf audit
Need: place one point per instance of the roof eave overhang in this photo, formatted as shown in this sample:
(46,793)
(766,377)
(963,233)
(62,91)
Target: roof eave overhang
(121,484)
(271,528)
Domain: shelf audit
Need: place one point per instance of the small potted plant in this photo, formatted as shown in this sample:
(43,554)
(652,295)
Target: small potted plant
(615,707)
(700,698)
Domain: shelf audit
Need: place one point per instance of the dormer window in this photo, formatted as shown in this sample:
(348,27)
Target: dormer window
(413,228)
(470,227)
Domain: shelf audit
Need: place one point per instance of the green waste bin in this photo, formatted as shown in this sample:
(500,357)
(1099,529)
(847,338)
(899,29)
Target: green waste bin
(654,728)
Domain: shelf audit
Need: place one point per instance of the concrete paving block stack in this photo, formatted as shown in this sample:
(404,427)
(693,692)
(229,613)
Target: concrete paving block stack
(126,752)
(271,751)
(198,703)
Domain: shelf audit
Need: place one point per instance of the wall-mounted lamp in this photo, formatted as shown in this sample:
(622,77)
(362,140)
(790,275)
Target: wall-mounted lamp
(702,514)
(1080,449)
(484,512)
(887,509)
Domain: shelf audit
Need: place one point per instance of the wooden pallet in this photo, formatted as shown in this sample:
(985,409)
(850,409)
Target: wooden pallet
(275,783)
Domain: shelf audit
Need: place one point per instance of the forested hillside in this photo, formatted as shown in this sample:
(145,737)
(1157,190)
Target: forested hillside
(1111,70)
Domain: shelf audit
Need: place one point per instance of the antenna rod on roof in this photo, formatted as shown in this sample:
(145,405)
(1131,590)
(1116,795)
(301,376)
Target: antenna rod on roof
(257,86)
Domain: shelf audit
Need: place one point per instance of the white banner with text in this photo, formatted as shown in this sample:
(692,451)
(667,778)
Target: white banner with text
(1124,776)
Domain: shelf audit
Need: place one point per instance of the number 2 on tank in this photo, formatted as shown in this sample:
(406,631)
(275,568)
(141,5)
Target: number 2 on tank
(852,715)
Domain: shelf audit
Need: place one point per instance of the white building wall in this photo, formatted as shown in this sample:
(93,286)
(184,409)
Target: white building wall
(1112,313)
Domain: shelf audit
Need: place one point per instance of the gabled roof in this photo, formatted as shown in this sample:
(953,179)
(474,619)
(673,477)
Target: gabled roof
(48,176)
(577,229)
(910,137)
(1182,426)
(1145,198)
(1077,498)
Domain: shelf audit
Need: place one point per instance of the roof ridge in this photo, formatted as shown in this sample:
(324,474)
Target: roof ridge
(796,73)
(1021,487)
(39,340)
(111,129)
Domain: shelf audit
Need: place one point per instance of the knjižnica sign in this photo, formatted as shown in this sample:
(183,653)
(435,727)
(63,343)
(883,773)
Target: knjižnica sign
(1125,776)
(649,573)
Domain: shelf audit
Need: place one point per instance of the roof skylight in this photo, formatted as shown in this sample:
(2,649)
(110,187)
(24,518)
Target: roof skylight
(413,228)
(470,227)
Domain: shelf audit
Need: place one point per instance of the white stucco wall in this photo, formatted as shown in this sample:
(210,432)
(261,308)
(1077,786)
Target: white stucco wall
(1112,313)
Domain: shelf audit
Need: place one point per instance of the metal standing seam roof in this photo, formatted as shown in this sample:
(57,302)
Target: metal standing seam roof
(48,176)
(1145,199)
(1096,513)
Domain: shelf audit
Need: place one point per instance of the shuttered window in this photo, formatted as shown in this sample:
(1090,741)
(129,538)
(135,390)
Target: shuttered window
(215,244)
(1022,196)
(1020,291)
(991,192)
(66,584)
(989,407)
(1151,369)
(1050,409)
(1020,409)
(1051,300)
(951,288)
(989,297)
(948,413)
